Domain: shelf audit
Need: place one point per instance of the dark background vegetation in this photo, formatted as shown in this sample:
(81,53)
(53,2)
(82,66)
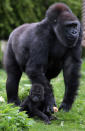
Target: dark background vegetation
(16,12)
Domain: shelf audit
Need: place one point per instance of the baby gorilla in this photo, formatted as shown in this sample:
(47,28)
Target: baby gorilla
(34,103)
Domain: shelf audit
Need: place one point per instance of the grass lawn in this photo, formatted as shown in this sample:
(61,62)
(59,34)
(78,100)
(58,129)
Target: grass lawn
(74,120)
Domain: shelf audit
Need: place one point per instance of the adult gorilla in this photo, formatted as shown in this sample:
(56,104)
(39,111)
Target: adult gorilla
(42,50)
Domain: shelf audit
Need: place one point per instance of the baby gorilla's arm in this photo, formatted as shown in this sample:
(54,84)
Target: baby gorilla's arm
(26,105)
(41,115)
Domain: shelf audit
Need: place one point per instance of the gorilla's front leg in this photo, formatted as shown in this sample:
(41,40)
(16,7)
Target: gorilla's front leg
(37,76)
(71,78)
(49,100)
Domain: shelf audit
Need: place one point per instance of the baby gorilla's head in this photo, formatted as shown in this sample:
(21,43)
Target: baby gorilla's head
(37,93)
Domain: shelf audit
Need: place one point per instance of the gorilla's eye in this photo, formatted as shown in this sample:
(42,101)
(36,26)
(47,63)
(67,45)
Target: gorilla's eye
(73,25)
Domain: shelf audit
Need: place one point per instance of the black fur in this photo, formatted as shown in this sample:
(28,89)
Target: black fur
(42,50)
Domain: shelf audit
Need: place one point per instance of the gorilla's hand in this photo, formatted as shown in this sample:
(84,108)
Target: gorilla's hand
(49,103)
(65,106)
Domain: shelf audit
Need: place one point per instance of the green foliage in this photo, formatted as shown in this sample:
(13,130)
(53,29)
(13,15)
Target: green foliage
(10,117)
(16,12)
(13,14)
(13,120)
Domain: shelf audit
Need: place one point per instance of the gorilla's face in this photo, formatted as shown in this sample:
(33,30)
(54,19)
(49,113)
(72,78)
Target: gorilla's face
(37,93)
(71,31)
(67,30)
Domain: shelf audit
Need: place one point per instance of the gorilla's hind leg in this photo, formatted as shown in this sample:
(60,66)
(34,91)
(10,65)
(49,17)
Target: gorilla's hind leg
(13,76)
(12,87)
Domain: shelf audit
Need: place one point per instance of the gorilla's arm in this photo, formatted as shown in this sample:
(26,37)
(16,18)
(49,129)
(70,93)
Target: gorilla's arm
(35,70)
(71,72)
(35,67)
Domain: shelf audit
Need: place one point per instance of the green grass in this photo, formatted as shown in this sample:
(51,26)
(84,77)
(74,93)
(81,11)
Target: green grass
(74,120)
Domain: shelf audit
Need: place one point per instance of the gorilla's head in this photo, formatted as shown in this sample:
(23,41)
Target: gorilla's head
(64,23)
(37,93)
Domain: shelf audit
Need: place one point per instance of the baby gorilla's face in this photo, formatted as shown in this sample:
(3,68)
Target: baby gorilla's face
(37,93)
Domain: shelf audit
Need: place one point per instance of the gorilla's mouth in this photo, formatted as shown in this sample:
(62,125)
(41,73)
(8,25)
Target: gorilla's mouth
(72,37)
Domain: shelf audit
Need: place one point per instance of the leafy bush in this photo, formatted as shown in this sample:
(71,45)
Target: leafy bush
(14,13)
(13,120)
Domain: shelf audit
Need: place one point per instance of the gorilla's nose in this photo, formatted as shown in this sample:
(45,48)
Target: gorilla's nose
(75,29)
(35,99)
(74,32)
